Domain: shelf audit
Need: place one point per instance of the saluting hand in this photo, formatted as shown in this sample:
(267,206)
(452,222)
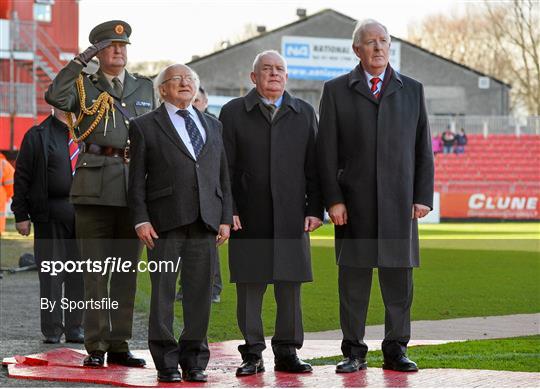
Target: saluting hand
(91,51)
(147,234)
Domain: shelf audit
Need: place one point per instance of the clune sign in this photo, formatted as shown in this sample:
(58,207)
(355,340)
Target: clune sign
(311,58)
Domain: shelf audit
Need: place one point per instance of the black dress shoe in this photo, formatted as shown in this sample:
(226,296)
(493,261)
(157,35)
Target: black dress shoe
(401,363)
(125,359)
(94,359)
(251,365)
(194,375)
(291,364)
(53,339)
(169,376)
(79,338)
(350,365)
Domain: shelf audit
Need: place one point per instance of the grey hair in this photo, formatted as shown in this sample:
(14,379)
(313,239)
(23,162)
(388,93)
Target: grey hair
(161,77)
(259,56)
(360,28)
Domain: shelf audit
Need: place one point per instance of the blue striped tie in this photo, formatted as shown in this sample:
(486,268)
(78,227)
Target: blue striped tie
(194,133)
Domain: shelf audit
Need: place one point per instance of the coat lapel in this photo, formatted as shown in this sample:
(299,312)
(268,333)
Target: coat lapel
(162,118)
(209,134)
(394,84)
(130,85)
(357,81)
(101,83)
(288,104)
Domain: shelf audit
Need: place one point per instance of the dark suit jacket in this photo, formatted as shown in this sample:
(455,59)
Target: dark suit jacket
(275,186)
(167,187)
(375,156)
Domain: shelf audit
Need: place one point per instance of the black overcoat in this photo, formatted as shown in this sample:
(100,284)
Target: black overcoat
(275,185)
(375,156)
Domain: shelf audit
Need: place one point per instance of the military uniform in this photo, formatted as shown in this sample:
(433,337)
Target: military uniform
(99,189)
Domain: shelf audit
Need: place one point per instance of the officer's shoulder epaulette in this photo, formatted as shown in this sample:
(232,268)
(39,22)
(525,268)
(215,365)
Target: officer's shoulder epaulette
(141,76)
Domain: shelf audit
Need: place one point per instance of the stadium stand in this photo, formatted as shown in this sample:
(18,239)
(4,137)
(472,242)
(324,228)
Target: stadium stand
(501,163)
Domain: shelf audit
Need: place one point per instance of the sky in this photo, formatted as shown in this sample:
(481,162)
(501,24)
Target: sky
(177,30)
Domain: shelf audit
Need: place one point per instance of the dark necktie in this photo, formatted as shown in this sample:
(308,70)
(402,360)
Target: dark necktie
(194,133)
(271,109)
(374,81)
(117,86)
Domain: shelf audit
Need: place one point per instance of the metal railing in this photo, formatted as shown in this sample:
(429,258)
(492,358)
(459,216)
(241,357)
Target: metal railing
(486,125)
(17,98)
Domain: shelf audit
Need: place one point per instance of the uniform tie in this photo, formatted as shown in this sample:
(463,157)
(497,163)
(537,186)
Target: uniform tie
(374,81)
(194,133)
(73,153)
(117,86)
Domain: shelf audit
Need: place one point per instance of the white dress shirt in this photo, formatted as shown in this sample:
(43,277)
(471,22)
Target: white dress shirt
(379,84)
(180,125)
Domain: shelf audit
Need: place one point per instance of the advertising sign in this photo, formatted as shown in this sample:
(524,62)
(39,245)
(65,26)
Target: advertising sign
(313,58)
(486,205)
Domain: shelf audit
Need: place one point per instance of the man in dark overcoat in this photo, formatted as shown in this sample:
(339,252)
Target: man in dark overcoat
(376,169)
(43,178)
(270,142)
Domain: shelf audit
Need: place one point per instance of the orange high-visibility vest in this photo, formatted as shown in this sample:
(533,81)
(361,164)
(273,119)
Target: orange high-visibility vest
(6,188)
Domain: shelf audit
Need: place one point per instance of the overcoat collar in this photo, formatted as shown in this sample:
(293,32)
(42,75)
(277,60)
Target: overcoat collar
(392,82)
(162,117)
(253,99)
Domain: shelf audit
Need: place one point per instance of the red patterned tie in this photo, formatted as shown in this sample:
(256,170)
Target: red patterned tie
(73,153)
(374,81)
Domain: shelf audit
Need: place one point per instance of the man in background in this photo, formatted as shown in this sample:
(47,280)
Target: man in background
(43,176)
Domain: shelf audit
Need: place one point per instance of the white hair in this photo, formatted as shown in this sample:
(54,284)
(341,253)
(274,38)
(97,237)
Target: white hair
(259,57)
(161,77)
(361,27)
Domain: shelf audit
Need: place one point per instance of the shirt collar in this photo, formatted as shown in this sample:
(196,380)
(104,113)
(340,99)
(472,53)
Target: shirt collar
(369,76)
(277,103)
(109,77)
(172,109)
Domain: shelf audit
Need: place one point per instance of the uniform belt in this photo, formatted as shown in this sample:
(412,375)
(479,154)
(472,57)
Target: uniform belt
(107,151)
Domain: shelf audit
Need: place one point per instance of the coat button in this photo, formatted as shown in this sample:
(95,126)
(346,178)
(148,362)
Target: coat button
(123,104)
(127,122)
(197,165)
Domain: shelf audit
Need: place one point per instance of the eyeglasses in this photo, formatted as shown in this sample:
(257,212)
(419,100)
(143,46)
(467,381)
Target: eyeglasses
(179,79)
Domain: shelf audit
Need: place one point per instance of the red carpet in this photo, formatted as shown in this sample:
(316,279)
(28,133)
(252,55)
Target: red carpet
(65,364)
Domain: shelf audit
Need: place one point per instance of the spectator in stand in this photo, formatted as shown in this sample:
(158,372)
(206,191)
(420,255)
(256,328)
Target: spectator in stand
(436,144)
(448,140)
(461,141)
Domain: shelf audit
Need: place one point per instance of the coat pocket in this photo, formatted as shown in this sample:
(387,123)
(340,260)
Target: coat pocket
(219,193)
(88,177)
(159,193)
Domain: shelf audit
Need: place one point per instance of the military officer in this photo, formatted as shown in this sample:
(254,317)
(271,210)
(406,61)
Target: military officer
(103,104)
